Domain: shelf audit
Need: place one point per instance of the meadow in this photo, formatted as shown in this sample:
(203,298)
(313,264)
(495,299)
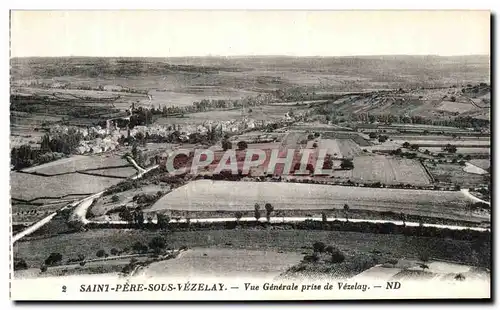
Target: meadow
(386,170)
(207,195)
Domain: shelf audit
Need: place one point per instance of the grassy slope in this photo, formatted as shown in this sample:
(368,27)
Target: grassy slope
(352,243)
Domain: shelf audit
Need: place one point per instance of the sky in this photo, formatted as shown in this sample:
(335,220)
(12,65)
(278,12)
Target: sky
(234,33)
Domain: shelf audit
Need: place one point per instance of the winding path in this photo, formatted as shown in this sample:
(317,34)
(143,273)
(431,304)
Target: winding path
(81,205)
(467,193)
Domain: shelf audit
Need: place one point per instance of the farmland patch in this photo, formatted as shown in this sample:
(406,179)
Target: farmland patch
(349,148)
(206,195)
(78,163)
(481,163)
(217,262)
(27,186)
(386,170)
(453,174)
(459,107)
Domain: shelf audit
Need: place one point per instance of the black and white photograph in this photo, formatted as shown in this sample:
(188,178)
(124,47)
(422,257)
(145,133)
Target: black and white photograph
(250,155)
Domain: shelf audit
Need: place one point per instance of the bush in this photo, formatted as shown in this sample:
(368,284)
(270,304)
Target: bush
(82,263)
(20,264)
(311,258)
(337,256)
(157,244)
(329,249)
(319,247)
(100,253)
(53,259)
(115,198)
(392,261)
(140,248)
(382,139)
(346,164)
(43,268)
(114,252)
(242,145)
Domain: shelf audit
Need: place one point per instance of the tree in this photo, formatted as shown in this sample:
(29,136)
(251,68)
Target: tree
(373,135)
(269,211)
(406,145)
(424,266)
(114,252)
(157,244)
(226,145)
(115,198)
(424,257)
(140,247)
(238,215)
(135,151)
(337,256)
(53,259)
(323,217)
(45,144)
(402,216)
(346,212)
(329,249)
(20,264)
(242,145)
(460,277)
(100,253)
(318,247)
(450,148)
(257,211)
(162,220)
(138,217)
(126,215)
(382,139)
(140,138)
(346,164)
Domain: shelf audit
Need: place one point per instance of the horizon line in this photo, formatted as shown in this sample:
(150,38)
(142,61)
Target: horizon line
(262,55)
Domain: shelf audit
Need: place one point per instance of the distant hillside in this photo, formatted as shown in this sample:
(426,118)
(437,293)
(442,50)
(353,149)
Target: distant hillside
(263,73)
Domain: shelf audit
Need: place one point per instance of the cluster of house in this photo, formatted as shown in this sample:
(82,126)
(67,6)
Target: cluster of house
(97,139)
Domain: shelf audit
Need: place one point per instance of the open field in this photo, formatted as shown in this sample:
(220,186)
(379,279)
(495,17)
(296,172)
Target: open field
(27,186)
(397,246)
(79,163)
(461,150)
(386,170)
(411,138)
(460,107)
(481,163)
(458,143)
(217,262)
(206,195)
(470,168)
(349,148)
(259,113)
(332,147)
(354,136)
(123,172)
(161,98)
(455,174)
